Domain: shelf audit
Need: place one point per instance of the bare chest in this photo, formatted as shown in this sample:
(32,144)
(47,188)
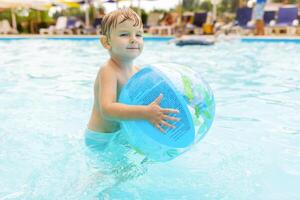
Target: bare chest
(122,80)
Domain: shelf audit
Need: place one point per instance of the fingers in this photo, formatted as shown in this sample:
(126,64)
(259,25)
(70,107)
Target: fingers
(164,123)
(158,99)
(167,110)
(167,124)
(160,128)
(171,118)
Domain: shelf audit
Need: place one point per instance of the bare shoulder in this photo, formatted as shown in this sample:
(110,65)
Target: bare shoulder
(106,70)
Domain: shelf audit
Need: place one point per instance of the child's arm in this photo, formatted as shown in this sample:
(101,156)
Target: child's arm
(113,110)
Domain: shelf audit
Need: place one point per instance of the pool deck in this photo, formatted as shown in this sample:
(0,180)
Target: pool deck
(156,38)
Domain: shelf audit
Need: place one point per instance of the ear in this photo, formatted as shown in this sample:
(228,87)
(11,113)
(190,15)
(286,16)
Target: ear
(105,43)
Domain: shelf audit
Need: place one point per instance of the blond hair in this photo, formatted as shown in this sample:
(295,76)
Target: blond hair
(112,19)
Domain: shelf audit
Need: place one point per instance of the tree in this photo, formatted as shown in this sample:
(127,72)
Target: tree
(190,4)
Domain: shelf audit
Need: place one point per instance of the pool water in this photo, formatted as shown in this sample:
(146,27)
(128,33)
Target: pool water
(252,150)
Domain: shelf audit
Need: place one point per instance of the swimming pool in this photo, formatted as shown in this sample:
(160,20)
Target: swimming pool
(251,152)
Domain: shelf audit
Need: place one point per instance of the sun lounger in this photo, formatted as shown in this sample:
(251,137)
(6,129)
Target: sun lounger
(166,28)
(5,28)
(243,23)
(269,16)
(94,29)
(197,24)
(286,21)
(152,23)
(59,28)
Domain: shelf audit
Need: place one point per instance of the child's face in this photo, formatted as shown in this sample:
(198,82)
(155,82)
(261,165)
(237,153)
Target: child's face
(126,40)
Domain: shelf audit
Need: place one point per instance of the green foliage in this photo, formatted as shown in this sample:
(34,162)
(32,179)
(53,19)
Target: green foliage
(158,11)
(74,12)
(190,5)
(196,5)
(205,6)
(144,15)
(46,18)
(5,15)
(228,6)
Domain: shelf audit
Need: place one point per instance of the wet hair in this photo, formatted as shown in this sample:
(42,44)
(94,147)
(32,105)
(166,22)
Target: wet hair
(112,19)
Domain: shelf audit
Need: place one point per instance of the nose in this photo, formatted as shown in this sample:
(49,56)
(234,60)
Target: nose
(132,39)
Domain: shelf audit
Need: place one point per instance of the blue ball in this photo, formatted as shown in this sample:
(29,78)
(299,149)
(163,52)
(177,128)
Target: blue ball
(182,89)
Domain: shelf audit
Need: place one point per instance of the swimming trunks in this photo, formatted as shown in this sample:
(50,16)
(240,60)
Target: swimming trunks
(97,140)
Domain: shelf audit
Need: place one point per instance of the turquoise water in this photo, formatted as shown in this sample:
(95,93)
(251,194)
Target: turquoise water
(252,150)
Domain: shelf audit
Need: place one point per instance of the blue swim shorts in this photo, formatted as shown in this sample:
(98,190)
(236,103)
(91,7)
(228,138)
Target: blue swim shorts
(98,141)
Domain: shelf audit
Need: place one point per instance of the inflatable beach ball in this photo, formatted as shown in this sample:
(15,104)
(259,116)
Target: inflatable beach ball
(182,89)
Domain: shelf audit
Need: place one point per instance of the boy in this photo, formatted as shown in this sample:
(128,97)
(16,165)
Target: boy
(122,32)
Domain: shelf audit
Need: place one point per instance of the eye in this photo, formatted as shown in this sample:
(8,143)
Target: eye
(139,35)
(124,34)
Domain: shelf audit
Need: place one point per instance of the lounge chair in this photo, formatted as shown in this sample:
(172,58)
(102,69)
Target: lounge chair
(198,19)
(168,25)
(59,28)
(269,16)
(71,22)
(243,23)
(286,21)
(97,24)
(79,27)
(5,28)
(152,23)
(95,28)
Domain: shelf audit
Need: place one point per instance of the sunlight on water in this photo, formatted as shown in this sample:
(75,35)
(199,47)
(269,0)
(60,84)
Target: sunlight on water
(251,152)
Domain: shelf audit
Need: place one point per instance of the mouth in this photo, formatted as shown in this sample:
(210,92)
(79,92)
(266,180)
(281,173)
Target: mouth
(134,48)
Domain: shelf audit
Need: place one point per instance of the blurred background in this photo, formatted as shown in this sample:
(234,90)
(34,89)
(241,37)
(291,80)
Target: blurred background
(160,17)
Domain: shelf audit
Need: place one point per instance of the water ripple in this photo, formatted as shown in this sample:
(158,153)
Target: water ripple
(46,95)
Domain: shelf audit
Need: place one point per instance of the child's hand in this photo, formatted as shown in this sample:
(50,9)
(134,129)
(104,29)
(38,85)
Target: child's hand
(158,116)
